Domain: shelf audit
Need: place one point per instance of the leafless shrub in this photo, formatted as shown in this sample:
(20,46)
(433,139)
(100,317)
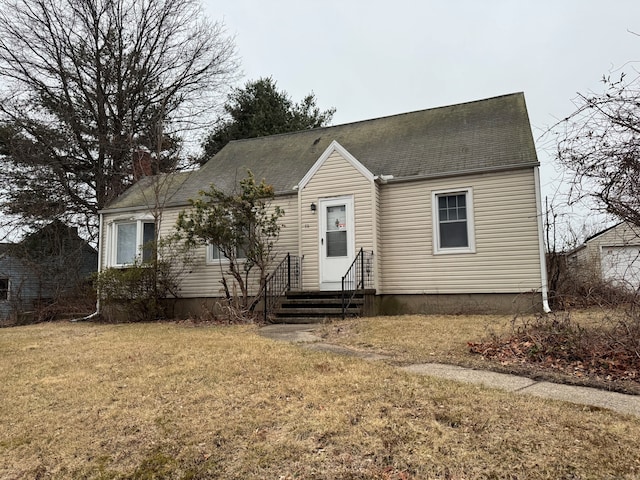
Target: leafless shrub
(605,348)
(582,286)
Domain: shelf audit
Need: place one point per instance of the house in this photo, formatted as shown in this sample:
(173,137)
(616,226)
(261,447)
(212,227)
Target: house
(445,202)
(46,266)
(611,255)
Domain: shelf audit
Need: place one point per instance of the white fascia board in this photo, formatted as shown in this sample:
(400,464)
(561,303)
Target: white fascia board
(344,153)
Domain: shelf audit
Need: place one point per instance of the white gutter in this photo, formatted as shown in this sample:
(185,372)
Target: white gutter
(543,255)
(97,312)
(460,173)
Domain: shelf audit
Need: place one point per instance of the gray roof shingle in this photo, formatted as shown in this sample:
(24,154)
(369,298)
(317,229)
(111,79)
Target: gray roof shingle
(484,135)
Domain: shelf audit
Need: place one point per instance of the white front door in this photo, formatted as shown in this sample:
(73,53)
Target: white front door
(336,240)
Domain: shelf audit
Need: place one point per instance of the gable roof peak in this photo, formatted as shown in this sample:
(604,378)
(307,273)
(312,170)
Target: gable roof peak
(334,146)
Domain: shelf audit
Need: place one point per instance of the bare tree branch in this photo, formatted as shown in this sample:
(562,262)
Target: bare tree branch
(86,84)
(600,145)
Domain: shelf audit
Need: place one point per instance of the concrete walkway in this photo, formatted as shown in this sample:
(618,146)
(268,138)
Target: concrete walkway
(305,335)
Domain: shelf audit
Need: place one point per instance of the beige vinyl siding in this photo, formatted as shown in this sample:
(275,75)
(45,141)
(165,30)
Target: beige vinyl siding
(336,177)
(506,258)
(579,257)
(378,239)
(204,279)
(589,258)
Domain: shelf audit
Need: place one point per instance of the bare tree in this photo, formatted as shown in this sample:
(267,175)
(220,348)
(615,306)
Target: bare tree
(87,84)
(599,143)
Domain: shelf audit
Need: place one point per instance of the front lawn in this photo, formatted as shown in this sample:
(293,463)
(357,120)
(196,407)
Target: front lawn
(582,347)
(143,401)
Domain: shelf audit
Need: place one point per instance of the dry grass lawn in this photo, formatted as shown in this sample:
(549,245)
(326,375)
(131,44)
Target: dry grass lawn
(418,338)
(144,401)
(443,338)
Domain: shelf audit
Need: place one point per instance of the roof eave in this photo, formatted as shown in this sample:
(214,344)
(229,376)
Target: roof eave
(181,204)
(460,173)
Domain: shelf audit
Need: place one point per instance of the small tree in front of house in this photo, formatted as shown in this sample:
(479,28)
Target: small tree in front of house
(242,228)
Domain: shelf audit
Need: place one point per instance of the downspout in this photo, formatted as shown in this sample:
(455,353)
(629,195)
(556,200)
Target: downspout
(543,255)
(97,312)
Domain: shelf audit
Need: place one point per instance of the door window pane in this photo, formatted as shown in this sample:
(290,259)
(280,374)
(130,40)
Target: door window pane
(337,244)
(336,218)
(337,231)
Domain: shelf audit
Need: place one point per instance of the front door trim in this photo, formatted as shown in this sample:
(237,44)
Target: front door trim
(330,269)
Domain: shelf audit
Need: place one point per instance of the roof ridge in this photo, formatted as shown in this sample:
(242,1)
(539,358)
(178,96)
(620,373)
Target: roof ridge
(449,106)
(602,232)
(383,117)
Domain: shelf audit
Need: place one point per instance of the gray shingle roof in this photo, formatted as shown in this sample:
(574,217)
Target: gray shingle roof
(165,188)
(484,135)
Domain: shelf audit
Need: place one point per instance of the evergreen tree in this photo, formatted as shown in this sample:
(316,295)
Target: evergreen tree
(258,110)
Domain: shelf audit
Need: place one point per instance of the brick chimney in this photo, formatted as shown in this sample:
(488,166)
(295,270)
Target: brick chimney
(142,164)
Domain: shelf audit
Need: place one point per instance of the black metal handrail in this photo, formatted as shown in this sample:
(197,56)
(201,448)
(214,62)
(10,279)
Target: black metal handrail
(285,277)
(358,278)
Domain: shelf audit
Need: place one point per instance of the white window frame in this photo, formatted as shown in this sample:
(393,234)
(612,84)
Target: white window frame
(221,258)
(471,247)
(139,222)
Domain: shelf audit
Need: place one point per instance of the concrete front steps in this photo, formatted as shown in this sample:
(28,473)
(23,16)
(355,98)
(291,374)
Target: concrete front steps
(316,306)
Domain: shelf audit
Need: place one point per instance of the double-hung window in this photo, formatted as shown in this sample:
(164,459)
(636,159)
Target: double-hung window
(214,255)
(133,240)
(453,230)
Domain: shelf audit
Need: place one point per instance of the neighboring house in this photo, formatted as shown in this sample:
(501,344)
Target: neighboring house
(447,199)
(42,268)
(612,255)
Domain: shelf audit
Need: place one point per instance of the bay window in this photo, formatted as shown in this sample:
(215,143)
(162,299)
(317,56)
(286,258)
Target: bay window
(133,241)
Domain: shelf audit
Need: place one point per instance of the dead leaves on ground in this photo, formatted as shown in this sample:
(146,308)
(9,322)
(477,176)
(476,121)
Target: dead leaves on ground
(603,353)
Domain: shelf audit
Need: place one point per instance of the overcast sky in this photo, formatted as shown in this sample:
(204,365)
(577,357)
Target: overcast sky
(375,58)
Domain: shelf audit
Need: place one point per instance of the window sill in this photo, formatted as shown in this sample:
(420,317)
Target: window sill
(215,262)
(131,265)
(453,251)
